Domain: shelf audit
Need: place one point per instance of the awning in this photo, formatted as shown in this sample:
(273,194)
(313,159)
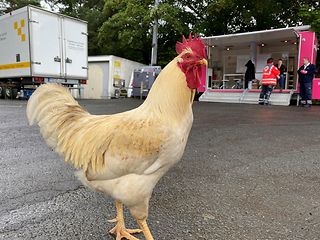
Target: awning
(265,36)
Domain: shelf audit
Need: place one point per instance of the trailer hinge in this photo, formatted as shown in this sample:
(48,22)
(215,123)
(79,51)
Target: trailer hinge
(68,60)
(84,33)
(33,21)
(38,63)
(85,68)
(57,59)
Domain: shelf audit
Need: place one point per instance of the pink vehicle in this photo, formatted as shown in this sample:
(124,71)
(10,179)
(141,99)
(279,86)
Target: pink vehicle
(223,80)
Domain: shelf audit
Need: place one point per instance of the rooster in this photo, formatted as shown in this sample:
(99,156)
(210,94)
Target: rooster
(124,155)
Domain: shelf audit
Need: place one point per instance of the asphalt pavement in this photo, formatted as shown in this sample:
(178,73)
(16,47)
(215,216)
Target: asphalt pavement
(248,172)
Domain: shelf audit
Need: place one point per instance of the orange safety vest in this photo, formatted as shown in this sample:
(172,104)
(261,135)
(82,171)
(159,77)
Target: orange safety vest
(269,76)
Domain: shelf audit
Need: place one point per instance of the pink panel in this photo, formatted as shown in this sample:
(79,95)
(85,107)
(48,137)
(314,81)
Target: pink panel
(315,47)
(316,81)
(316,89)
(308,43)
(307,49)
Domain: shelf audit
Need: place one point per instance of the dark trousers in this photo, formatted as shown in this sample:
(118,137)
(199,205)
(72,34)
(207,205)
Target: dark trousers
(306,92)
(282,81)
(265,94)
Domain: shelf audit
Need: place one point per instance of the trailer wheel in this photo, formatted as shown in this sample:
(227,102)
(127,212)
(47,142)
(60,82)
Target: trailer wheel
(2,92)
(10,93)
(116,93)
(7,92)
(14,93)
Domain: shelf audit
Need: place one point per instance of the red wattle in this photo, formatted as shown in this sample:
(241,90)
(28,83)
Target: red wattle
(193,75)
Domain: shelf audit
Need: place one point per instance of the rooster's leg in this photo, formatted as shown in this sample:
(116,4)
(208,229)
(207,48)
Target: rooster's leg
(120,229)
(145,229)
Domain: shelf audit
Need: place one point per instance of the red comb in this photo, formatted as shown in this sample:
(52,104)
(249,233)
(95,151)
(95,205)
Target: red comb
(194,43)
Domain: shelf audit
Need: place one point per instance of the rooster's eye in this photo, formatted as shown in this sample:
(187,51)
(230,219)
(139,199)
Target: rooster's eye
(187,56)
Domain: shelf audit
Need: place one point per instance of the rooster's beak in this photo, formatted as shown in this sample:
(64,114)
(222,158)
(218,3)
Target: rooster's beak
(203,62)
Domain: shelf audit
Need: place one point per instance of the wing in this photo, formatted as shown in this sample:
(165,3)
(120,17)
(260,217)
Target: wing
(135,146)
(121,143)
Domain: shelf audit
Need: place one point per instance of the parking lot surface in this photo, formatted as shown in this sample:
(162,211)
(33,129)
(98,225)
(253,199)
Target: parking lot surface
(248,172)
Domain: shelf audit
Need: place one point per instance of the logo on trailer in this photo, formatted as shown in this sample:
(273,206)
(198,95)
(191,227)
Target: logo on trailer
(19,29)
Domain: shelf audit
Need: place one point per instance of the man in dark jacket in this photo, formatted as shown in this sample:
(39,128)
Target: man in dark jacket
(249,75)
(282,79)
(306,74)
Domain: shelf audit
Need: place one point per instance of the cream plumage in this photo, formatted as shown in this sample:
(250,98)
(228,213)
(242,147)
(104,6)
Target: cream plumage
(122,155)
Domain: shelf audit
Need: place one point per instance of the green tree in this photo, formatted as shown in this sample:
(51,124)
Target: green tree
(230,16)
(124,27)
(127,30)
(10,5)
(311,15)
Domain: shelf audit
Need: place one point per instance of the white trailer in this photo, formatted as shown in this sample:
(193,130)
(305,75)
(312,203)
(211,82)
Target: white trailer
(109,76)
(39,46)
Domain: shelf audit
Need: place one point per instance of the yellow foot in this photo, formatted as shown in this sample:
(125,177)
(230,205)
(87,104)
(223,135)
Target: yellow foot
(120,229)
(113,220)
(121,232)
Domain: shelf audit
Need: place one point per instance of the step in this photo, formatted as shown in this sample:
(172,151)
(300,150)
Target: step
(276,98)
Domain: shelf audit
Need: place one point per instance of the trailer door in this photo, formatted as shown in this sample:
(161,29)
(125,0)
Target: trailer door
(46,49)
(14,45)
(75,48)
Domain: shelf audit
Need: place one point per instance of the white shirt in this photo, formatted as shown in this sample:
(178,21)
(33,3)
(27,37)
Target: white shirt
(305,66)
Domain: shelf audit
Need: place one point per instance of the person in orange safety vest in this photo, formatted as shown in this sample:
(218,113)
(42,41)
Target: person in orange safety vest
(269,80)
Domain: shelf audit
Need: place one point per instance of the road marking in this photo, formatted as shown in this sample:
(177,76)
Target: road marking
(9,106)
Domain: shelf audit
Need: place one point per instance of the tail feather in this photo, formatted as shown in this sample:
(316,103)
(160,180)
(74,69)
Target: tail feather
(59,117)
(47,107)
(46,99)
(72,132)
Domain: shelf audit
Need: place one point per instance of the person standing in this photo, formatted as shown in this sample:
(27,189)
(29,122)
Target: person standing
(282,76)
(269,80)
(306,74)
(249,75)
